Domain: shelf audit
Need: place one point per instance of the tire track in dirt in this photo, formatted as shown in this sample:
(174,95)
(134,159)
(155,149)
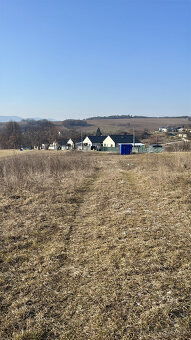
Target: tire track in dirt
(78,198)
(50,230)
(121,264)
(91,258)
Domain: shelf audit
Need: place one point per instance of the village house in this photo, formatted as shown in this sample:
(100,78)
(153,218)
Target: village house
(53,146)
(168,129)
(163,129)
(70,144)
(180,129)
(45,146)
(183,135)
(93,142)
(114,141)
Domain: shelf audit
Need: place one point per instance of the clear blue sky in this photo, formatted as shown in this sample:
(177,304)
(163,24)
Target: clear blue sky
(80,58)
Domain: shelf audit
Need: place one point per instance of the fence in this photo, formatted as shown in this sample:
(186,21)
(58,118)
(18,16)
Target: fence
(147,149)
(135,149)
(109,149)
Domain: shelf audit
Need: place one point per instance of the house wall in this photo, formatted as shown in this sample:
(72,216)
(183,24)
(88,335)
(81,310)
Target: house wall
(70,141)
(53,146)
(183,135)
(108,142)
(163,129)
(87,141)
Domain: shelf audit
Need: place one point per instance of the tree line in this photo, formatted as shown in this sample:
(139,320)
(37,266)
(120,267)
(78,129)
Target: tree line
(32,134)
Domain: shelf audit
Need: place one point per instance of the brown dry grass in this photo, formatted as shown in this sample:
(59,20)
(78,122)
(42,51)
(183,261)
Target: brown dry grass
(113,126)
(95,246)
(5,153)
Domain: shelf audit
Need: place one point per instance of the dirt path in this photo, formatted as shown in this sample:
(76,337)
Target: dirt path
(125,260)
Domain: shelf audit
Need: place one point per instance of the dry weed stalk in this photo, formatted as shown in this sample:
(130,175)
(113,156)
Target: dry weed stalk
(38,170)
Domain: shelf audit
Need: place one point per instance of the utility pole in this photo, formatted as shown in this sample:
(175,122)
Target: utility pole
(81,139)
(133,137)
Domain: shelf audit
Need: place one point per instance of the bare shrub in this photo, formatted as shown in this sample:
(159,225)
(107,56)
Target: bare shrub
(165,169)
(178,147)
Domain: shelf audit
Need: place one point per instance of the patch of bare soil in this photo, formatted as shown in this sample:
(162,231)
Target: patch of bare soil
(106,257)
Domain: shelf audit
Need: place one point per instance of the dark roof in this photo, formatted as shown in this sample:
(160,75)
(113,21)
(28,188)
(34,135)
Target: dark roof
(120,139)
(97,139)
(156,145)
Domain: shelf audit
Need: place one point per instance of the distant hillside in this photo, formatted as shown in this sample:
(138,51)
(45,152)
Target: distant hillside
(130,117)
(75,123)
(5,119)
(115,117)
(121,125)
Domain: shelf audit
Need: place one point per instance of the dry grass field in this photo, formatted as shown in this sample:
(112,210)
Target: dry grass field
(114,126)
(5,153)
(95,246)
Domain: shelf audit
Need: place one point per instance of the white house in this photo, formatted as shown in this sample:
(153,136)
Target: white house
(87,141)
(53,146)
(163,129)
(70,144)
(45,146)
(180,129)
(93,141)
(183,135)
(113,141)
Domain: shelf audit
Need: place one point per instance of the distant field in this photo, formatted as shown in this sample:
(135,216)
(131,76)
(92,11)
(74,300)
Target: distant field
(136,123)
(95,246)
(127,125)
